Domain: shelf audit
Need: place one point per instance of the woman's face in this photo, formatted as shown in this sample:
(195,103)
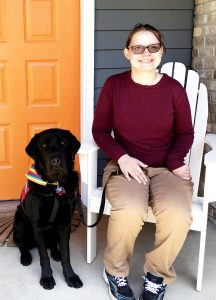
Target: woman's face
(145,61)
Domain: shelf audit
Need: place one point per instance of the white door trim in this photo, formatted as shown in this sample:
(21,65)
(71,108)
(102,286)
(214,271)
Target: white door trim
(87,26)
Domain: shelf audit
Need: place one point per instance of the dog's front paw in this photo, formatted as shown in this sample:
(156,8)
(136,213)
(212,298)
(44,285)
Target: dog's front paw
(26,258)
(74,281)
(47,283)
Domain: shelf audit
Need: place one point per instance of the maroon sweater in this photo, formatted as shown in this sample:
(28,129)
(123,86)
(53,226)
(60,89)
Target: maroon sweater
(150,123)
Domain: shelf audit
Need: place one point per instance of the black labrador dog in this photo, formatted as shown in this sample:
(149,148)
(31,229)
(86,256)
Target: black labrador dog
(48,201)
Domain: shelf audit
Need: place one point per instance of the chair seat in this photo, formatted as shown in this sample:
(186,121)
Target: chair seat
(197,209)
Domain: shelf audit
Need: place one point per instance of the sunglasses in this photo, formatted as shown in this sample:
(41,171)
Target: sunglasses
(139,49)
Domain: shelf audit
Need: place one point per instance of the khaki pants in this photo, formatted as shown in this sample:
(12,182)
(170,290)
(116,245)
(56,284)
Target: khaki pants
(170,198)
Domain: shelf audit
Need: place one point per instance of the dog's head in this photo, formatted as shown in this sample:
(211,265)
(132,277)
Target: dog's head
(53,151)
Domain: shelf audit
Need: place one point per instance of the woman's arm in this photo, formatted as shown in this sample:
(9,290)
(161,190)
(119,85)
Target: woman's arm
(103,124)
(183,130)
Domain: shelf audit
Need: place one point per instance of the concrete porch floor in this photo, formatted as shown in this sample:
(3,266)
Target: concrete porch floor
(22,283)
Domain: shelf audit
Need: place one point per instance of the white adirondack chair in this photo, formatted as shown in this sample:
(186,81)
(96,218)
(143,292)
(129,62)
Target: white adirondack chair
(197,95)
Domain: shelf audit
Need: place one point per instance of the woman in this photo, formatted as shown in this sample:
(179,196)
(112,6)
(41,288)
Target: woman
(150,117)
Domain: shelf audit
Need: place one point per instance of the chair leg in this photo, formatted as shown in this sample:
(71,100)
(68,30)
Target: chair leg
(91,238)
(202,248)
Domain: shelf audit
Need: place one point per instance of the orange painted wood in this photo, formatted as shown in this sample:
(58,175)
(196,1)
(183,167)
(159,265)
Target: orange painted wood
(39,79)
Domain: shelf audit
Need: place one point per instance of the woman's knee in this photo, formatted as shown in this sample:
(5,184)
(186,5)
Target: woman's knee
(128,219)
(130,213)
(175,217)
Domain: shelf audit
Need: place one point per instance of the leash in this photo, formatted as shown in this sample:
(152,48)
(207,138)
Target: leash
(102,205)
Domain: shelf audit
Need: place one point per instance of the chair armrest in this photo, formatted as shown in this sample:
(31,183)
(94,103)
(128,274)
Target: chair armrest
(210,157)
(210,164)
(88,148)
(88,169)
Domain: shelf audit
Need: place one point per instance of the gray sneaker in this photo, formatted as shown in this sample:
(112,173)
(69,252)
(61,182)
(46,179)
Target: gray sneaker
(118,287)
(153,288)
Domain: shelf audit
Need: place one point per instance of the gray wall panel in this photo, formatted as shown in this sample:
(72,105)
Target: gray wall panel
(102,74)
(116,59)
(126,19)
(109,40)
(144,4)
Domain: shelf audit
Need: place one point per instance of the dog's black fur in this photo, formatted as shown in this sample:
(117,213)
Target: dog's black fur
(53,151)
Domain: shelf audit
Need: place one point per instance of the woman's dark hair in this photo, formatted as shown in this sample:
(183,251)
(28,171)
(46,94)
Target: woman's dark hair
(140,27)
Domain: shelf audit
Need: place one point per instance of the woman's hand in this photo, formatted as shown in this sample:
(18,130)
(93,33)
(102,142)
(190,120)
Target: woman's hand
(183,172)
(132,167)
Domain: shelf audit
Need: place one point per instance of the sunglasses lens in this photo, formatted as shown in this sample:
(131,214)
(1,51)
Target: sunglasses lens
(137,49)
(154,48)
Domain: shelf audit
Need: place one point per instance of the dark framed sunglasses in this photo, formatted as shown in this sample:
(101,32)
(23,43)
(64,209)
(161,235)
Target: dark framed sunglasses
(139,49)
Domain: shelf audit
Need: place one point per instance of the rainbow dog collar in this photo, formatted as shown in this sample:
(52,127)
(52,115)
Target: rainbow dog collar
(32,175)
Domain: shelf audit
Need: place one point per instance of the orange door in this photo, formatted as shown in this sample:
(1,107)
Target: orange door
(39,79)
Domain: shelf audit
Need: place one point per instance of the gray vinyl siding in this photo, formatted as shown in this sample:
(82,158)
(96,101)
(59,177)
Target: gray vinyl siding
(113,21)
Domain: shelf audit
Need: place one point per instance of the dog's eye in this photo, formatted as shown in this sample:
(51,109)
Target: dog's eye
(44,146)
(62,142)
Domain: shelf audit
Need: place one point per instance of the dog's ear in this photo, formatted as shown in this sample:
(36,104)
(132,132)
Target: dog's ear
(30,148)
(74,143)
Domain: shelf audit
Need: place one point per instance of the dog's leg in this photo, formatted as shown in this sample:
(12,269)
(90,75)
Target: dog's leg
(47,281)
(52,243)
(55,253)
(25,257)
(71,277)
(23,237)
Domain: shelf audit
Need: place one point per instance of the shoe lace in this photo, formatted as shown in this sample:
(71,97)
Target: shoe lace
(152,287)
(121,281)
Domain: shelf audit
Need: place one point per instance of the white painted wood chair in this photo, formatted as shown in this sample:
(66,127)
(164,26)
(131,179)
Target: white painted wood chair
(91,194)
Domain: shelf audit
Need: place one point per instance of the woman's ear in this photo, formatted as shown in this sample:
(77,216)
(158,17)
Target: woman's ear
(126,53)
(162,51)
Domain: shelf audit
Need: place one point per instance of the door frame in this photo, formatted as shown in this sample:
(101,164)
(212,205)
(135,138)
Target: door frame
(87,38)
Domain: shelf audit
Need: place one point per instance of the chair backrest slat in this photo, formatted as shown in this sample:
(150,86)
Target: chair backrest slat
(192,88)
(179,72)
(198,98)
(167,69)
(199,138)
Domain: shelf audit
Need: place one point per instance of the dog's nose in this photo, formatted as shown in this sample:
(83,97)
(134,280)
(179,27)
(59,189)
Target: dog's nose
(55,161)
